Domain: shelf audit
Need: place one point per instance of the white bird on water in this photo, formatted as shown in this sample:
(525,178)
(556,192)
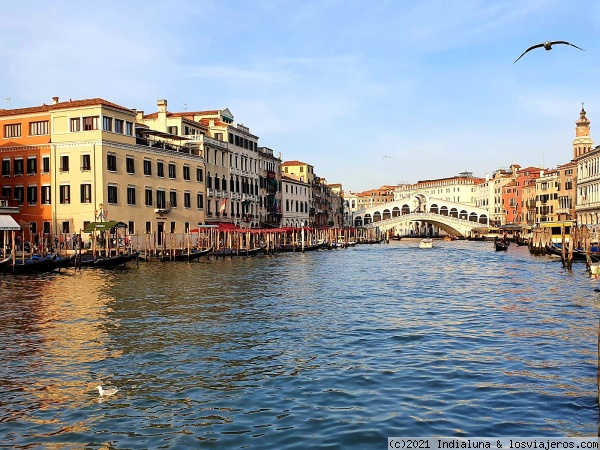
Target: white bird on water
(105,392)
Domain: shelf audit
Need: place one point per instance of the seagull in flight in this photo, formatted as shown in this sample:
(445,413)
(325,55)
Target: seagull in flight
(386,156)
(547,46)
(105,392)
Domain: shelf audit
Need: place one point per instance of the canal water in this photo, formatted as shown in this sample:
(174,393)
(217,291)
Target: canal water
(336,349)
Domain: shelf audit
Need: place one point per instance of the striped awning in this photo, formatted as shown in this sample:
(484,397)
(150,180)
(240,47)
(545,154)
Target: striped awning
(7,223)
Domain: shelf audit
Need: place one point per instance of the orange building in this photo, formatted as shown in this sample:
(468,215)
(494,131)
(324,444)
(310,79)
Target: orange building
(25,154)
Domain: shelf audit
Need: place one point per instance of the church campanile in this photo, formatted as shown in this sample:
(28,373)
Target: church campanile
(582,143)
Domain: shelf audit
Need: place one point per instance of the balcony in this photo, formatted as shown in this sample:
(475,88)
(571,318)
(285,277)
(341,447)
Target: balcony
(162,207)
(211,192)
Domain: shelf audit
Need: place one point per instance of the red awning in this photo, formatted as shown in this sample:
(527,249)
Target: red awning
(227,226)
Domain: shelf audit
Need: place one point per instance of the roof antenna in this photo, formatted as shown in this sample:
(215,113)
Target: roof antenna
(7,99)
(185,106)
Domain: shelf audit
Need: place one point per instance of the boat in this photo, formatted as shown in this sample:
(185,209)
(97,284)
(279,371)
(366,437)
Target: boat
(449,237)
(5,262)
(237,252)
(88,260)
(501,245)
(177,255)
(298,247)
(426,243)
(64,261)
(578,254)
(35,264)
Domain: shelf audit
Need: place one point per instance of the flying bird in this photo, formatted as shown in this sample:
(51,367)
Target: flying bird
(386,157)
(547,46)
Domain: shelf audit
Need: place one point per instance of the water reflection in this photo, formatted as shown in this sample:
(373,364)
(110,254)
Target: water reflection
(342,347)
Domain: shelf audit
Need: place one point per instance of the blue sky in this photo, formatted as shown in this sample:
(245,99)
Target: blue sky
(336,84)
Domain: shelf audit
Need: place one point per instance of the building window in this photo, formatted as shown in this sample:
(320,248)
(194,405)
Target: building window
(6,192)
(111,162)
(173,199)
(148,197)
(64,163)
(148,227)
(38,128)
(45,164)
(129,128)
(107,123)
(18,166)
(199,175)
(33,227)
(75,124)
(32,195)
(86,162)
(187,200)
(160,169)
(6,167)
(19,194)
(130,228)
(130,164)
(119,126)
(31,166)
(86,193)
(90,123)
(186,173)
(65,227)
(130,195)
(12,131)
(161,199)
(46,227)
(65,194)
(172,171)
(172,130)
(45,195)
(112,194)
(200,200)
(172,227)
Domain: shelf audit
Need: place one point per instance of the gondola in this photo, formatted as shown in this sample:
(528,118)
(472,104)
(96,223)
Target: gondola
(5,262)
(65,261)
(104,261)
(35,264)
(578,254)
(501,245)
(236,252)
(180,255)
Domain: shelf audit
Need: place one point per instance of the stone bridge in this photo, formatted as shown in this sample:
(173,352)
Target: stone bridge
(422,215)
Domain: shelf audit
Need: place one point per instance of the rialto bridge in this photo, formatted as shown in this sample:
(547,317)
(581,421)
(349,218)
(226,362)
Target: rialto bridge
(422,215)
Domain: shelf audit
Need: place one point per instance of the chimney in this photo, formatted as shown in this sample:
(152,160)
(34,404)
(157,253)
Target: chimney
(54,100)
(139,115)
(162,106)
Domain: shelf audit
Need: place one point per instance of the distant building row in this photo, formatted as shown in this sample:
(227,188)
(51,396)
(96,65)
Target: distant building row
(78,161)
(524,196)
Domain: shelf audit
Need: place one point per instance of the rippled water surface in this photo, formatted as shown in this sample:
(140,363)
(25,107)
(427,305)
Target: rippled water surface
(328,348)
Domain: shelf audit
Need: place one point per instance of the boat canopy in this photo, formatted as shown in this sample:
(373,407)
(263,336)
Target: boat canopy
(100,226)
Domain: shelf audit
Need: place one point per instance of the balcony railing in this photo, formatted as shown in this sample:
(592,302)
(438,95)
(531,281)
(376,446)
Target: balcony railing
(162,207)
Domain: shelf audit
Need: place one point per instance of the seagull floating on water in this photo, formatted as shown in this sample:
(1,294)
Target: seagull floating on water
(547,46)
(105,392)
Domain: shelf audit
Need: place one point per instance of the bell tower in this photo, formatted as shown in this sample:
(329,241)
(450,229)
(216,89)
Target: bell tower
(582,143)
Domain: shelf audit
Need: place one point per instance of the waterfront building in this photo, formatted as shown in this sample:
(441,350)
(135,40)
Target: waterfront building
(101,166)
(458,189)
(337,204)
(587,158)
(488,192)
(295,201)
(375,197)
(567,183)
(546,196)
(231,159)
(269,188)
(527,208)
(350,206)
